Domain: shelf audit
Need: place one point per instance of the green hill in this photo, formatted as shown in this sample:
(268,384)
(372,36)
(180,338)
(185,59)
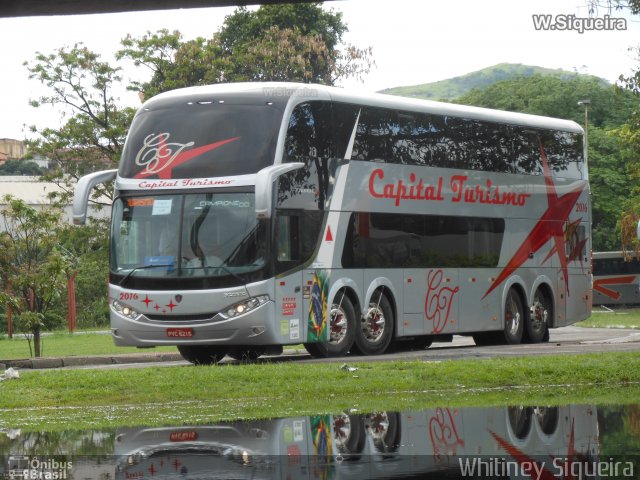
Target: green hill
(458,86)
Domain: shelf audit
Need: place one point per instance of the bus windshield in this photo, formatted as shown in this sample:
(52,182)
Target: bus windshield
(191,235)
(200,139)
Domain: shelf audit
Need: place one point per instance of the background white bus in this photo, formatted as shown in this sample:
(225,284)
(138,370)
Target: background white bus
(251,216)
(616,280)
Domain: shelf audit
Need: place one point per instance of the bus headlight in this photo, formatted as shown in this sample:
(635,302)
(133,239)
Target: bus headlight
(244,307)
(124,310)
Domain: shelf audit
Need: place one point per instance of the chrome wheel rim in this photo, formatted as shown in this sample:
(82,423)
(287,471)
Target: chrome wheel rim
(539,314)
(337,325)
(373,324)
(512,316)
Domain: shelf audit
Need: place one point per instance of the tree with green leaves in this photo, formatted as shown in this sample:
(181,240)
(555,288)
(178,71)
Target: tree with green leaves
(33,266)
(20,167)
(93,135)
(608,157)
(288,42)
(629,135)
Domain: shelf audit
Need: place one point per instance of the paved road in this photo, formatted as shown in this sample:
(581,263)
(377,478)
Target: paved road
(567,340)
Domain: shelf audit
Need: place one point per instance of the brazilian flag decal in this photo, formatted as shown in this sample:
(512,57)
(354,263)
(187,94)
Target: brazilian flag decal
(321,433)
(317,331)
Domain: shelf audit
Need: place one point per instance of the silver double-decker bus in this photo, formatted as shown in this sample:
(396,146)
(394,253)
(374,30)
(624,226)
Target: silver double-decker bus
(251,216)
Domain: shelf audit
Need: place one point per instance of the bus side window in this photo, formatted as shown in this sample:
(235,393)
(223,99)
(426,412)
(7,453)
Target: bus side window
(309,134)
(288,238)
(297,236)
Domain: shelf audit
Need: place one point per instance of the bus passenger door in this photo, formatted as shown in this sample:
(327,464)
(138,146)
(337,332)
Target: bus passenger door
(431,301)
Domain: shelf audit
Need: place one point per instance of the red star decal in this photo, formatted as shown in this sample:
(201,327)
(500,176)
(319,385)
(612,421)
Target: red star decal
(168,161)
(157,307)
(171,305)
(523,459)
(549,227)
(176,464)
(147,300)
(152,470)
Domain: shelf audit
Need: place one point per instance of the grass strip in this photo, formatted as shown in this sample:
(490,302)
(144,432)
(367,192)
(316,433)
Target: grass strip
(64,344)
(617,318)
(188,395)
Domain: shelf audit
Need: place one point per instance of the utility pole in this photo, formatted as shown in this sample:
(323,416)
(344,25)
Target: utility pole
(585,103)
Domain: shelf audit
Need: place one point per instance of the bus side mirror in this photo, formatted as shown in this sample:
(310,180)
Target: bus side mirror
(82,191)
(264,186)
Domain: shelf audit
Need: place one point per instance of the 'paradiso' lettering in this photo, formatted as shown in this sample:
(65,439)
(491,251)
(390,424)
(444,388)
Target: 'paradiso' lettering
(418,189)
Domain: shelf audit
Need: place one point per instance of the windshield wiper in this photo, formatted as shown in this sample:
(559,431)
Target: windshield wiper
(222,267)
(143,267)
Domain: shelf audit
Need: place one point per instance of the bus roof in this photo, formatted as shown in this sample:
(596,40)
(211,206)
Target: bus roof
(309,91)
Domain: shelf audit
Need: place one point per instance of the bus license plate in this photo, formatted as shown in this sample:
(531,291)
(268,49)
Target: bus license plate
(179,332)
(183,436)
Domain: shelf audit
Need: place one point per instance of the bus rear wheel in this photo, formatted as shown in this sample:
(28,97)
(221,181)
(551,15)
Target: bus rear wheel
(202,354)
(538,320)
(514,318)
(375,330)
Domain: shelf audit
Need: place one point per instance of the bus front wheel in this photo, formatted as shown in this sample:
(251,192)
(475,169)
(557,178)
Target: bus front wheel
(342,326)
(245,353)
(202,354)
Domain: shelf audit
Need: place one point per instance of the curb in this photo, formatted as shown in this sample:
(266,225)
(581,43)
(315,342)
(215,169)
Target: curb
(60,362)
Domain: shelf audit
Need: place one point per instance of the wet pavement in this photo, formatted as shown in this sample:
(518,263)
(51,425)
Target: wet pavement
(570,442)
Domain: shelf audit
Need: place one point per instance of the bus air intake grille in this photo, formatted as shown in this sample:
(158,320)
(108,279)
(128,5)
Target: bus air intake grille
(181,318)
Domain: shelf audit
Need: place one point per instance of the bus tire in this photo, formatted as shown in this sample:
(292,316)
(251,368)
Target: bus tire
(375,329)
(537,324)
(349,436)
(514,318)
(244,353)
(342,326)
(384,429)
(313,349)
(202,354)
(483,339)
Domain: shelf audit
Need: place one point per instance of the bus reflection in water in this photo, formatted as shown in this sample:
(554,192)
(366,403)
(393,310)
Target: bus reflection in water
(439,443)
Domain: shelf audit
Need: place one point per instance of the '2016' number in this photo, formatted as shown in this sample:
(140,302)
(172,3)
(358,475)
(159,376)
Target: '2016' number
(581,207)
(128,296)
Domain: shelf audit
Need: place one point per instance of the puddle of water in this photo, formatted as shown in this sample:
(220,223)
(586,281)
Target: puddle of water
(571,442)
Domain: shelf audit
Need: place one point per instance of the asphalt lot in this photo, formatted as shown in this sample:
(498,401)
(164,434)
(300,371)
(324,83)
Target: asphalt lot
(566,340)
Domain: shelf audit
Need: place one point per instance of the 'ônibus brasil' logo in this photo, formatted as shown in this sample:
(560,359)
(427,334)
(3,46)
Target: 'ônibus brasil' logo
(159,157)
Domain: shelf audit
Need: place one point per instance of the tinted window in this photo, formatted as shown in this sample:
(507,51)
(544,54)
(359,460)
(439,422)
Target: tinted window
(297,235)
(376,129)
(309,133)
(200,139)
(411,138)
(377,240)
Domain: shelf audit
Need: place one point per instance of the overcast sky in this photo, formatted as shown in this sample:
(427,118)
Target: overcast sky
(413,42)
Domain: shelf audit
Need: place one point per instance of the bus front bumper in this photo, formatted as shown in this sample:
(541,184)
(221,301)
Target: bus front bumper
(256,327)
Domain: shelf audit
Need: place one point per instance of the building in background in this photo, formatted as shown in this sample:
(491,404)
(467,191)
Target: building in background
(36,194)
(11,149)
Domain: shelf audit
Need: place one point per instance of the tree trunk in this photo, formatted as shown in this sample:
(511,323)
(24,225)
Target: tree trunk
(36,341)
